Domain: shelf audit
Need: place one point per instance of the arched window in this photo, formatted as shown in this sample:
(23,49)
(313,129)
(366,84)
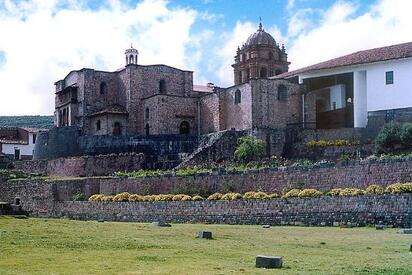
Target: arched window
(117,129)
(131,59)
(240,77)
(147,113)
(238,97)
(162,86)
(103,88)
(244,57)
(270,55)
(247,75)
(184,128)
(282,93)
(278,72)
(98,125)
(147,128)
(263,72)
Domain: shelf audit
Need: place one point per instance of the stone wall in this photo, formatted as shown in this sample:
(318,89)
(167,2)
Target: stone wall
(84,166)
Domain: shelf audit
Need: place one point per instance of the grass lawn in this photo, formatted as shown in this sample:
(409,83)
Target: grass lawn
(51,246)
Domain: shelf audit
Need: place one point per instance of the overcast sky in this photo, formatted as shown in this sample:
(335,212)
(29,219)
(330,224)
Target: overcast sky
(42,40)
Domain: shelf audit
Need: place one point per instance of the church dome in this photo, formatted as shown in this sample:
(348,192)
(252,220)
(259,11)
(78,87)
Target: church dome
(260,37)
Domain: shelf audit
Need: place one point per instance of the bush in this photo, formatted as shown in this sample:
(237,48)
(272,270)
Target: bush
(292,193)
(168,197)
(135,197)
(375,189)
(186,198)
(351,192)
(249,148)
(149,198)
(197,198)
(178,197)
(96,197)
(108,198)
(273,196)
(406,136)
(407,187)
(335,192)
(256,195)
(79,197)
(326,143)
(215,197)
(310,193)
(389,138)
(395,188)
(122,197)
(232,196)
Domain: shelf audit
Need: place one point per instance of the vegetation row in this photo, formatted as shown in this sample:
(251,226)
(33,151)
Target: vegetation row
(374,189)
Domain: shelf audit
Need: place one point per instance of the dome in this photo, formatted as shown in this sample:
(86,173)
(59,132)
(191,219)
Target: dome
(131,50)
(260,37)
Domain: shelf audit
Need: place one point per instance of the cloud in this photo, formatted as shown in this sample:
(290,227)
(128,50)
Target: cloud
(42,40)
(342,29)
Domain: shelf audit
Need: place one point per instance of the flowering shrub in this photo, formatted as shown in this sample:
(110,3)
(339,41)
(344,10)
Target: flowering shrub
(375,189)
(351,192)
(395,188)
(135,197)
(122,197)
(197,198)
(215,197)
(310,193)
(96,197)
(291,193)
(232,196)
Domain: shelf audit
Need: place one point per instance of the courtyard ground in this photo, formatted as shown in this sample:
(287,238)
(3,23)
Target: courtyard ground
(53,246)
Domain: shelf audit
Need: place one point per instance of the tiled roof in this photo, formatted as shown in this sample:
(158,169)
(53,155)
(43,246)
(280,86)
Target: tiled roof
(7,141)
(398,51)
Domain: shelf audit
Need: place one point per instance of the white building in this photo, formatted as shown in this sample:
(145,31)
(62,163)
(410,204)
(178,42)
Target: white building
(18,143)
(362,89)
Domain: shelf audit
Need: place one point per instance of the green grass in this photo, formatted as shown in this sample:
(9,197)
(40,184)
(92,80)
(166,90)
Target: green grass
(48,246)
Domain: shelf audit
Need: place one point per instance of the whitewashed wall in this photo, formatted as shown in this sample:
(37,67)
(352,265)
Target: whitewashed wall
(25,149)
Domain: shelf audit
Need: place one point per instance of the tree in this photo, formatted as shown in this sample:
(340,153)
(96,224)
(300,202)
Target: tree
(389,138)
(249,148)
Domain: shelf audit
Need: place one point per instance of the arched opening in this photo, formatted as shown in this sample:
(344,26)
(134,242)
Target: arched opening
(263,72)
(117,129)
(282,93)
(240,76)
(270,55)
(244,57)
(103,88)
(278,72)
(147,113)
(147,128)
(162,86)
(247,75)
(131,59)
(98,125)
(238,97)
(184,128)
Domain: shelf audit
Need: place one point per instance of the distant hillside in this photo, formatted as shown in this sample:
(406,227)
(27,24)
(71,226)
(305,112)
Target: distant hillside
(44,122)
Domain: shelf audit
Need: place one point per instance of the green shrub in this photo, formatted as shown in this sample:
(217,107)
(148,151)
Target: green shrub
(406,136)
(189,171)
(310,193)
(292,193)
(389,138)
(375,189)
(135,197)
(79,197)
(122,197)
(197,198)
(249,148)
(215,197)
(327,143)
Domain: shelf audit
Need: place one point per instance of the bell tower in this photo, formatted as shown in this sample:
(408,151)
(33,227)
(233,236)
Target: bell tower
(131,56)
(259,57)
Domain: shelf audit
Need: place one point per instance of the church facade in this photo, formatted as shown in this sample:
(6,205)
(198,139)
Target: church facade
(161,100)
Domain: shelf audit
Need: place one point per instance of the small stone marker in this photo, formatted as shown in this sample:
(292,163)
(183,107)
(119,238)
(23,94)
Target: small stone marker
(406,231)
(161,224)
(266,226)
(268,261)
(205,235)
(380,227)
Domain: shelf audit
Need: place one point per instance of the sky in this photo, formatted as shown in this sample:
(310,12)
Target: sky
(41,41)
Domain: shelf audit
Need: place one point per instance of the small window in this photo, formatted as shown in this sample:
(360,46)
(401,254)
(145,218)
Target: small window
(282,93)
(184,128)
(147,113)
(147,129)
(238,97)
(389,77)
(162,86)
(103,88)
(263,72)
(34,138)
(98,125)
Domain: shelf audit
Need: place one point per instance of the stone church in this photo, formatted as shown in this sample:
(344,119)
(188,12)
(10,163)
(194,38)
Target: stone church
(150,100)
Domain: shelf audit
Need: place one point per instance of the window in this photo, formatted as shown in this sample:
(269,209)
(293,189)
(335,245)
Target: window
(282,93)
(238,97)
(263,72)
(117,129)
(270,55)
(103,88)
(389,77)
(147,129)
(162,86)
(240,77)
(243,57)
(34,138)
(98,125)
(16,153)
(147,113)
(184,128)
